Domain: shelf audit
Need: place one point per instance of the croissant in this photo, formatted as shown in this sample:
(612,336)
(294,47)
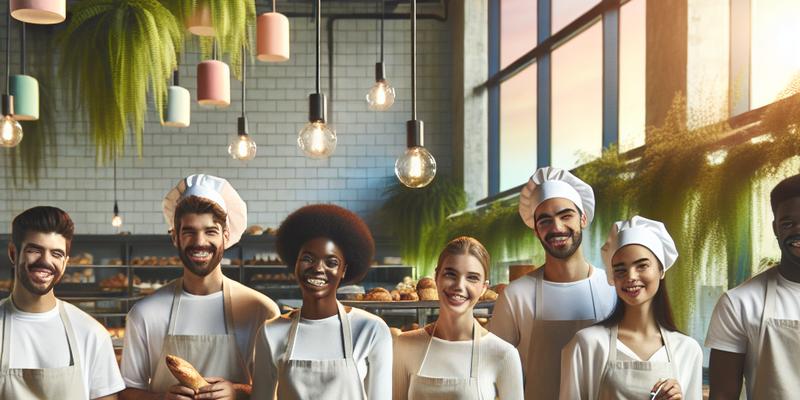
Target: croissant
(185,372)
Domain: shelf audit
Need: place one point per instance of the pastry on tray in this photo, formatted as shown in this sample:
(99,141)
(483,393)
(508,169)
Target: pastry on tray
(489,295)
(378,294)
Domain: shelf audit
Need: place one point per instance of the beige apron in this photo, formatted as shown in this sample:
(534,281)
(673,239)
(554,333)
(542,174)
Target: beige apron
(211,355)
(542,365)
(64,383)
(320,379)
(778,372)
(425,387)
(631,379)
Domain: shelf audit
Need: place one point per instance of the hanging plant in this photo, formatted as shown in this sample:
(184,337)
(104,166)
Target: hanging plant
(413,215)
(113,51)
(233,21)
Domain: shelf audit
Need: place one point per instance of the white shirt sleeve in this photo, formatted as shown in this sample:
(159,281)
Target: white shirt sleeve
(572,372)
(135,366)
(265,372)
(693,385)
(503,322)
(509,378)
(104,376)
(726,330)
(378,382)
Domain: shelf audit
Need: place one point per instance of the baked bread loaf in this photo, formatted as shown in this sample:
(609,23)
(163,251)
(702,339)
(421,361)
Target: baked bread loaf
(428,294)
(409,296)
(489,295)
(395,295)
(185,373)
(426,283)
(378,294)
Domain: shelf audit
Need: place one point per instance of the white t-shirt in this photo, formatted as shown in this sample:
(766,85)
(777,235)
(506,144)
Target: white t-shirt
(38,340)
(148,320)
(514,310)
(321,340)
(736,322)
(584,359)
(500,370)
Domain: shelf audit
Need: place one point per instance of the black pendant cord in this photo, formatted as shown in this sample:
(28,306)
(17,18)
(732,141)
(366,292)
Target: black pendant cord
(383,12)
(214,49)
(22,53)
(413,59)
(8,47)
(115,183)
(244,78)
(319,14)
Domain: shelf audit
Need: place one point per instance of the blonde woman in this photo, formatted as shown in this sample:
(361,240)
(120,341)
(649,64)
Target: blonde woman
(456,358)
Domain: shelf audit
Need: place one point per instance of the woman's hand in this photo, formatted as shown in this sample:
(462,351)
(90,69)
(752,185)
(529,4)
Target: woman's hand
(669,390)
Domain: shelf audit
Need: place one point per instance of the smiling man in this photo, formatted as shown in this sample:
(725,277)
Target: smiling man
(540,312)
(203,317)
(50,348)
(755,329)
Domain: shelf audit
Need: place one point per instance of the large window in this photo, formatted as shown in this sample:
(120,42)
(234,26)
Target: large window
(632,35)
(775,59)
(517,29)
(518,128)
(577,102)
(566,11)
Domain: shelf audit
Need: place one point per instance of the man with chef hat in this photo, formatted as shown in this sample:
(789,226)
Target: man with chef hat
(541,311)
(50,348)
(203,317)
(755,328)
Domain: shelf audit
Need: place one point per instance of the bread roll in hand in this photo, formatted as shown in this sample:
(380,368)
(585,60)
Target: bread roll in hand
(185,373)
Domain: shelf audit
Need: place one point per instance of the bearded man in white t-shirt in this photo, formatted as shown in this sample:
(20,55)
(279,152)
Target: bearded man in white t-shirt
(540,312)
(755,328)
(207,319)
(50,348)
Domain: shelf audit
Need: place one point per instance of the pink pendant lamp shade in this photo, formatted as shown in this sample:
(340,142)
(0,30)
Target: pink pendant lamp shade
(43,12)
(213,83)
(272,33)
(199,23)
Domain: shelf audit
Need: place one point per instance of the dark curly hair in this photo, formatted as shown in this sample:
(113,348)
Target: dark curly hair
(342,226)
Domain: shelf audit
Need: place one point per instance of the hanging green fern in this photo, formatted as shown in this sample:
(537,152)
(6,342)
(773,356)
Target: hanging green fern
(233,20)
(113,51)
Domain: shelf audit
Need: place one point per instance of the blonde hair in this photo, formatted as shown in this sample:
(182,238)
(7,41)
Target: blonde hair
(465,245)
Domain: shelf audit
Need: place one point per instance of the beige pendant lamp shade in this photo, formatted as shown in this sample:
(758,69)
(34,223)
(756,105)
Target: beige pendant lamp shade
(43,12)
(272,36)
(213,82)
(177,112)
(199,23)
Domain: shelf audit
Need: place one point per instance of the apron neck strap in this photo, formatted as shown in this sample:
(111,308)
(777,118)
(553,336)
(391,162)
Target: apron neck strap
(347,336)
(476,347)
(614,336)
(539,306)
(226,301)
(6,305)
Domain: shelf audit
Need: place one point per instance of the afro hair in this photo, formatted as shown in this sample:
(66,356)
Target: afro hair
(342,226)
(785,190)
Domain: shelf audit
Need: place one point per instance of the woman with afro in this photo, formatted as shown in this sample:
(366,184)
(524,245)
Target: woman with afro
(324,350)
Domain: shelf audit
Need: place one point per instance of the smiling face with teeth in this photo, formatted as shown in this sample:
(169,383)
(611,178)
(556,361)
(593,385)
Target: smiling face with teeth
(787,230)
(40,262)
(637,274)
(320,268)
(559,226)
(200,243)
(461,281)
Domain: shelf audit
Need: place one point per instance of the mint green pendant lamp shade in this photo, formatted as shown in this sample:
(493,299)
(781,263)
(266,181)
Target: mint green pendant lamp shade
(25,90)
(177,112)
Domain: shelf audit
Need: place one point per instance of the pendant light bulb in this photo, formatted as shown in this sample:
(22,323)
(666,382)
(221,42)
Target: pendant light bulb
(242,147)
(10,132)
(416,168)
(116,220)
(317,140)
(380,96)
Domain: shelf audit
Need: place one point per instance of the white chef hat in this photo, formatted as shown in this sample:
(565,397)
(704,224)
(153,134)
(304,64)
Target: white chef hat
(548,183)
(642,231)
(217,190)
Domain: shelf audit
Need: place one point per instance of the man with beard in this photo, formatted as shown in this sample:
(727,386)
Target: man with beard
(203,317)
(541,311)
(755,328)
(50,348)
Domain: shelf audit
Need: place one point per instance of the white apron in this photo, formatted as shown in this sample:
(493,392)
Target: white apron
(629,379)
(211,355)
(320,379)
(542,364)
(778,373)
(425,387)
(64,383)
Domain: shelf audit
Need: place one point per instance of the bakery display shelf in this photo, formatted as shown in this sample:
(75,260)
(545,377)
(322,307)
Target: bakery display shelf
(405,304)
(85,298)
(149,266)
(274,285)
(96,266)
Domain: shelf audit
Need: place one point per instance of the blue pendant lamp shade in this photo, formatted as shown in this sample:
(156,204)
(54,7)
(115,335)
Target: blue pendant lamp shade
(177,112)
(25,90)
